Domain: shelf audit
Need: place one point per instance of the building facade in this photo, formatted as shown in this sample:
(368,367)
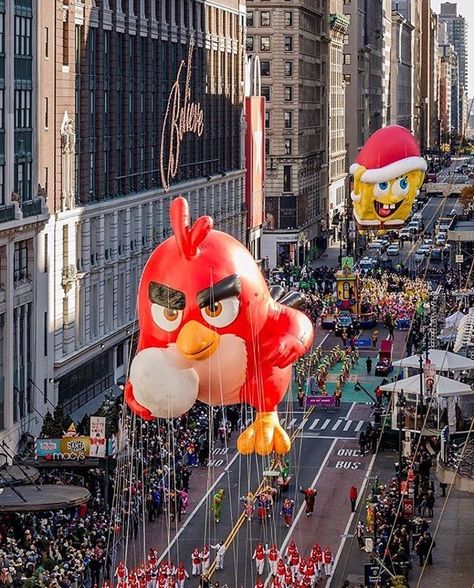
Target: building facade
(429,77)
(338,24)
(364,75)
(401,72)
(449,86)
(113,74)
(291,40)
(23,281)
(457,31)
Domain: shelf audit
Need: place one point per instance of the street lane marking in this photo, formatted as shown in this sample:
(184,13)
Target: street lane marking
(347,426)
(197,507)
(336,425)
(291,423)
(325,424)
(314,424)
(359,426)
(303,505)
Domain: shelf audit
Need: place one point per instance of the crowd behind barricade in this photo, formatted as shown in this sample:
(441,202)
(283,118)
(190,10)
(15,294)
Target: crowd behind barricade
(400,538)
(75,548)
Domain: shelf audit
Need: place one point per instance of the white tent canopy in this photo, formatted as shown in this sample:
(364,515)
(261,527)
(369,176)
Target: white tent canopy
(444,387)
(443,361)
(454,319)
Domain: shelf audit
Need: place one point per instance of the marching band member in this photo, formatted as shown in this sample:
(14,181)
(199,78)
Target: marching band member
(196,562)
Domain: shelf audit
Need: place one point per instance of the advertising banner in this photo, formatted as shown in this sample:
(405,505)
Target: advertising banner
(69,448)
(97,436)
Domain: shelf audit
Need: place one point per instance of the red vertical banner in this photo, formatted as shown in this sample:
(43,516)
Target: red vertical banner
(254,159)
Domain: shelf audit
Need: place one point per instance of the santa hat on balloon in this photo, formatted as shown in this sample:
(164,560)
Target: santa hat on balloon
(389,153)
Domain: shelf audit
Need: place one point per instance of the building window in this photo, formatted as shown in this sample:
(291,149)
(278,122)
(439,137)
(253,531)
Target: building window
(347,78)
(22,109)
(22,183)
(2,32)
(249,43)
(288,19)
(2,380)
(2,184)
(265,18)
(22,35)
(265,44)
(22,341)
(265,68)
(288,119)
(288,69)
(267,119)
(46,42)
(288,146)
(266,93)
(45,334)
(347,1)
(288,93)
(2,108)
(250,19)
(20,261)
(287,178)
(346,59)
(65,35)
(346,39)
(46,113)
(267,146)
(288,43)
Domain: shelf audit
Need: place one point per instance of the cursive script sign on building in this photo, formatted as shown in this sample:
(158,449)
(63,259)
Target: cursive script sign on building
(182,116)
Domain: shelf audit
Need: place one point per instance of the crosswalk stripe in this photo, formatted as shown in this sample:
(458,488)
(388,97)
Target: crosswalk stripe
(347,426)
(282,421)
(325,424)
(291,423)
(359,425)
(336,424)
(314,424)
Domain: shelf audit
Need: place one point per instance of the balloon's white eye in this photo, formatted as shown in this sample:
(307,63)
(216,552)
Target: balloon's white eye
(167,319)
(401,187)
(222,313)
(382,188)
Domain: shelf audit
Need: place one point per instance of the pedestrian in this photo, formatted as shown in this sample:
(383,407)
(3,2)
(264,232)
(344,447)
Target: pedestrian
(362,442)
(287,511)
(309,498)
(368,363)
(205,559)
(353,497)
(273,557)
(181,575)
(249,505)
(430,502)
(337,397)
(204,582)
(374,438)
(374,338)
(301,397)
(217,504)
(443,487)
(221,549)
(360,534)
(259,557)
(327,560)
(196,562)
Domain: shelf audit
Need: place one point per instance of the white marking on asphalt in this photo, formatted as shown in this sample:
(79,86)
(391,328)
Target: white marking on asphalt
(350,411)
(336,425)
(325,424)
(314,424)
(349,522)
(347,425)
(359,425)
(197,507)
(303,506)
(291,423)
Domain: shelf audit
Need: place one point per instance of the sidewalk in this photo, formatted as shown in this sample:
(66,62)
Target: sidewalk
(329,258)
(453,564)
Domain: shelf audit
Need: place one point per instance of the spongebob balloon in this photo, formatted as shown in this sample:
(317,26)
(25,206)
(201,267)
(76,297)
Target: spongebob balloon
(388,174)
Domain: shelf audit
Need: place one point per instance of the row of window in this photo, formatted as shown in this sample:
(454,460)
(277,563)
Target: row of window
(287,146)
(265,18)
(287,93)
(287,119)
(265,68)
(266,43)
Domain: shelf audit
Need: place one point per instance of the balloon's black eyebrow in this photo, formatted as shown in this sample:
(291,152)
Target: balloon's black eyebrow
(226,288)
(166,296)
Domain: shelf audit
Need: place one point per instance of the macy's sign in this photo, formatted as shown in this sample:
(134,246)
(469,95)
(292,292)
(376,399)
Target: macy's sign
(182,116)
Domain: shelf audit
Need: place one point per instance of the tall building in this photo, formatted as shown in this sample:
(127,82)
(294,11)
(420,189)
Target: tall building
(449,86)
(429,77)
(338,24)
(291,40)
(457,31)
(23,278)
(402,110)
(364,75)
(386,60)
(445,67)
(140,101)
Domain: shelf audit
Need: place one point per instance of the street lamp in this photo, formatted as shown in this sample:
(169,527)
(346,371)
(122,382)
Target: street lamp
(401,404)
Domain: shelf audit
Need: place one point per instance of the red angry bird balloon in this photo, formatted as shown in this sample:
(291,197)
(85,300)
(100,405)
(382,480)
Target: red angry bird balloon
(211,331)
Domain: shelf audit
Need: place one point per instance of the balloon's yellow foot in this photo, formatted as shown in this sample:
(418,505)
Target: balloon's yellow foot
(264,436)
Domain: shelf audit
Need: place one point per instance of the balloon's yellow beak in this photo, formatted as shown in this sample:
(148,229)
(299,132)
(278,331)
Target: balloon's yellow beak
(196,341)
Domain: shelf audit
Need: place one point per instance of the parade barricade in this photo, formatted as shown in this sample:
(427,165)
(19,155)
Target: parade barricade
(321,401)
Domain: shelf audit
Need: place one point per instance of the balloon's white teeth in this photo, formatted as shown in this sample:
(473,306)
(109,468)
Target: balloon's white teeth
(392,206)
